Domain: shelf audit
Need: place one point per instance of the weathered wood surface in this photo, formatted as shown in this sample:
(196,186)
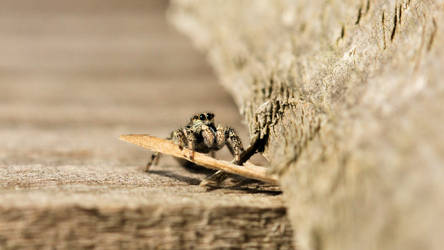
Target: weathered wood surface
(73,77)
(349,96)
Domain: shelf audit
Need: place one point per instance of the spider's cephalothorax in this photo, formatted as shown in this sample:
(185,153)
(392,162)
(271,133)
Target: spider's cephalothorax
(202,135)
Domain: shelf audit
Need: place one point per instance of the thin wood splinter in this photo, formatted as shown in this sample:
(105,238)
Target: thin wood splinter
(167,147)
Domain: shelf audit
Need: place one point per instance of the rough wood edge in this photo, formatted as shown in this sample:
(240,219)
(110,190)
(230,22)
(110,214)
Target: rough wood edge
(167,147)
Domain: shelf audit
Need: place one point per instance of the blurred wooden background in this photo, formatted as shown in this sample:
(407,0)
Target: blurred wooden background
(74,75)
(61,61)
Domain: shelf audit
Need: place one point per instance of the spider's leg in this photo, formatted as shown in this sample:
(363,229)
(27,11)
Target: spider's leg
(178,137)
(185,138)
(234,144)
(188,138)
(153,161)
(229,137)
(214,180)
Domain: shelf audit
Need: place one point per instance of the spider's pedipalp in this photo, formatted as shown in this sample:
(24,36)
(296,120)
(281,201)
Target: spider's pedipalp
(209,136)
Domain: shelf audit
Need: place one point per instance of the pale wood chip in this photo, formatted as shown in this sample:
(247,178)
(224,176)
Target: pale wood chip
(167,147)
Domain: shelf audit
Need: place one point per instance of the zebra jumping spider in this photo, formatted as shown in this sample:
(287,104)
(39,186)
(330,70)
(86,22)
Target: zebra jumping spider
(202,135)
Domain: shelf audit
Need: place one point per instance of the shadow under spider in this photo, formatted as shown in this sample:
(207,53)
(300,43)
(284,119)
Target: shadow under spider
(255,191)
(244,185)
(186,179)
(241,186)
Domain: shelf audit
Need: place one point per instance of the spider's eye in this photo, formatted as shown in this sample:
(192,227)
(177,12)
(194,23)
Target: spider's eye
(210,116)
(202,117)
(195,117)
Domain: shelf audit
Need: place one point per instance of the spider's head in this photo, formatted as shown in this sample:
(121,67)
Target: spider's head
(206,118)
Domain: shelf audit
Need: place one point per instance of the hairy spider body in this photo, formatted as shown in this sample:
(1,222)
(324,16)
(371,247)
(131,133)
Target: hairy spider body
(203,136)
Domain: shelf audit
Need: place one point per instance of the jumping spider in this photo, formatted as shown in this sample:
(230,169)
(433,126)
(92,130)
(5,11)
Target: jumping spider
(202,135)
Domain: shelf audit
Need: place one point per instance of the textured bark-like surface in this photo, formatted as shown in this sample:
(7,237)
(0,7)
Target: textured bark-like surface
(114,207)
(74,75)
(348,95)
